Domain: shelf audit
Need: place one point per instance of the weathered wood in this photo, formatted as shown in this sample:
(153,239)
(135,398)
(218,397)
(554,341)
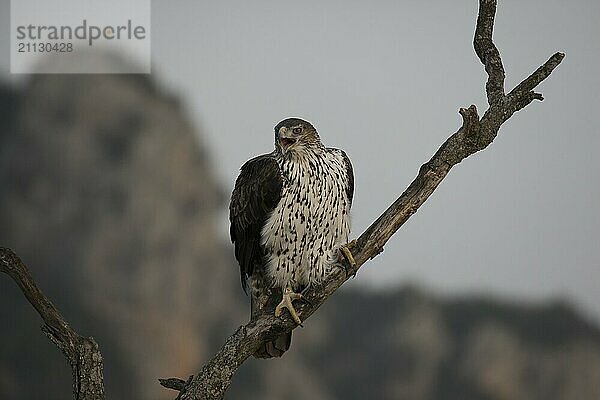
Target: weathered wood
(83,354)
(474,135)
(212,381)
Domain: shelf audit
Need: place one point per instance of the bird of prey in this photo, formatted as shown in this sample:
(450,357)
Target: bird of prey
(290,217)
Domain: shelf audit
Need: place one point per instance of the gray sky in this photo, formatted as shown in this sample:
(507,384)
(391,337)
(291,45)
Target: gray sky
(384,81)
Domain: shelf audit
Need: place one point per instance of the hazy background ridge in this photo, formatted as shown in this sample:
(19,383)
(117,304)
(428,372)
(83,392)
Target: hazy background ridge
(384,81)
(114,190)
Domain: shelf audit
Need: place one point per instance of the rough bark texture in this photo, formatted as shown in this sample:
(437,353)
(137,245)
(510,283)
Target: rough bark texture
(82,353)
(212,381)
(474,135)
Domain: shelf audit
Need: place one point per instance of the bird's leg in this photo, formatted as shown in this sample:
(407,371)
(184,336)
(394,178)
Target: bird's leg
(286,302)
(345,250)
(304,298)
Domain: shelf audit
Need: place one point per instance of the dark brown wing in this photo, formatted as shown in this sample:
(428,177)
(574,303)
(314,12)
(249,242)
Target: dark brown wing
(256,194)
(350,172)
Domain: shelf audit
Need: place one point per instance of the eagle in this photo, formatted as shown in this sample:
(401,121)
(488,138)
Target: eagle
(289,219)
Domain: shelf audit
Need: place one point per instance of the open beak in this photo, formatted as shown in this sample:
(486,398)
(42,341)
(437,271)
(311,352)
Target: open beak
(284,139)
(286,142)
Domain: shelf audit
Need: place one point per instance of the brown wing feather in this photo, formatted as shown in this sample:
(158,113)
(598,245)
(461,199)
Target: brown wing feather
(350,172)
(256,193)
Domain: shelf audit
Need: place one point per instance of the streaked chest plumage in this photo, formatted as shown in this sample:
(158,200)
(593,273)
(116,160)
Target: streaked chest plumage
(311,221)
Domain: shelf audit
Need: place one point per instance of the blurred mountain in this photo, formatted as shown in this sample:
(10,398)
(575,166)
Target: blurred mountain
(407,344)
(108,194)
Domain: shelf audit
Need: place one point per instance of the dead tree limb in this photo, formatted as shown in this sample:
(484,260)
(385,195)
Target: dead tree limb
(474,135)
(82,353)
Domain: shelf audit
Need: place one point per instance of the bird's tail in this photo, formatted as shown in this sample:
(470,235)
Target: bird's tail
(274,348)
(260,296)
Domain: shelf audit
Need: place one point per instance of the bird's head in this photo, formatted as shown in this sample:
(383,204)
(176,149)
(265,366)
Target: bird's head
(294,135)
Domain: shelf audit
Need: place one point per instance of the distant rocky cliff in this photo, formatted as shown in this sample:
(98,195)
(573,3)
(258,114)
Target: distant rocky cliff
(108,194)
(406,344)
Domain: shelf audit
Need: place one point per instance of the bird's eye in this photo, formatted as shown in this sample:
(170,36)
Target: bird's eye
(297,130)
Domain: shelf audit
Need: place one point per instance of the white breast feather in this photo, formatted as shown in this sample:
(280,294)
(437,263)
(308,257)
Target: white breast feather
(311,221)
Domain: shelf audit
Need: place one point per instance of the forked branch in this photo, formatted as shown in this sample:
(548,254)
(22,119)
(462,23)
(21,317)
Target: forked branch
(474,135)
(212,381)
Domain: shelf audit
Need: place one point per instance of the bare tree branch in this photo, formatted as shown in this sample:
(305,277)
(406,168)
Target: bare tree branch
(82,353)
(523,93)
(474,135)
(487,52)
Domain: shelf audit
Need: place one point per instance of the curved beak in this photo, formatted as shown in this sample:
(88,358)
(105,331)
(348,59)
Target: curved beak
(284,138)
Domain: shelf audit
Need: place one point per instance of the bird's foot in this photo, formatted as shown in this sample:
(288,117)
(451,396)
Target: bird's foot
(347,253)
(288,297)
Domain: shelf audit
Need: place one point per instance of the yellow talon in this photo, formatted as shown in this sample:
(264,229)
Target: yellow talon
(288,297)
(345,249)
